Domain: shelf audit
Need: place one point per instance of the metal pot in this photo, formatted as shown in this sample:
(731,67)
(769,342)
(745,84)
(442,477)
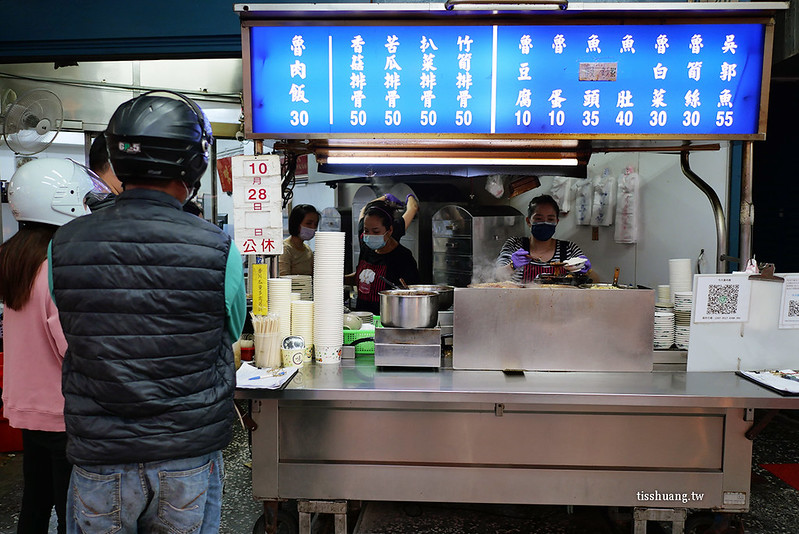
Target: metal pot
(409,308)
(446,294)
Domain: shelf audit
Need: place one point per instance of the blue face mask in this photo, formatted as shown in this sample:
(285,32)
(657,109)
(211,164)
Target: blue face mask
(374,241)
(543,231)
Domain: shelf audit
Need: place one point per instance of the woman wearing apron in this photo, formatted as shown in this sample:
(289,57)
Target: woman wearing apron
(381,257)
(523,259)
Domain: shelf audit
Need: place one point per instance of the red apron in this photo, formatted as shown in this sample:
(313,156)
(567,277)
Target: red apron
(368,276)
(531,271)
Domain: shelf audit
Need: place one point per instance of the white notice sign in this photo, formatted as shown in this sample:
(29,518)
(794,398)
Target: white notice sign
(789,309)
(257,204)
(720,298)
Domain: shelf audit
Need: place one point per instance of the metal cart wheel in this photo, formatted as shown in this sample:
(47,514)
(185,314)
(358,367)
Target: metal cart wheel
(287,523)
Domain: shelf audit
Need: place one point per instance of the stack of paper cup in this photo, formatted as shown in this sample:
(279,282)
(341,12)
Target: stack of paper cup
(683,304)
(664,330)
(302,284)
(680,275)
(302,325)
(328,296)
(279,294)
(663,302)
(663,294)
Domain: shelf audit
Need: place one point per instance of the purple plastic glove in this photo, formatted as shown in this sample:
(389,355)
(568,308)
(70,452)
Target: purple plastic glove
(520,258)
(395,200)
(409,196)
(587,266)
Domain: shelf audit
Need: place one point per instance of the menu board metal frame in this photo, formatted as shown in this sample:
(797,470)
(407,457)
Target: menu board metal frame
(318,19)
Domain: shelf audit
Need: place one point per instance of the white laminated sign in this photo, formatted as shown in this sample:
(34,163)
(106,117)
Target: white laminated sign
(721,298)
(257,204)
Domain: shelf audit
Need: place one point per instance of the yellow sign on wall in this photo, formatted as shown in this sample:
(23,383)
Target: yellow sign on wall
(260,274)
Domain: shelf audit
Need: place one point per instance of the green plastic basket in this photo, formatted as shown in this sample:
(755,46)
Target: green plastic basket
(367,347)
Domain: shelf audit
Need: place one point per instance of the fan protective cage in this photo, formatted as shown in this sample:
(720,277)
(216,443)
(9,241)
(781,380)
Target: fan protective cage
(33,121)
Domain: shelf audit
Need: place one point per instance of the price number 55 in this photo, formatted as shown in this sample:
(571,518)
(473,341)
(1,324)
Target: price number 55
(724,118)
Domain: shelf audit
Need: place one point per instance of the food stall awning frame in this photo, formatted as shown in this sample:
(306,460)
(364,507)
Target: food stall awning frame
(345,10)
(476,12)
(268,31)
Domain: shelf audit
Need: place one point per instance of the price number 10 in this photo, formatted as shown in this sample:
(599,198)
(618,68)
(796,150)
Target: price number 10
(256,168)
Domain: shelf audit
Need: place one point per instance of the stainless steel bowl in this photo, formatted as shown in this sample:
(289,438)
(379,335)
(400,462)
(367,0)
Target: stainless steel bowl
(446,294)
(409,308)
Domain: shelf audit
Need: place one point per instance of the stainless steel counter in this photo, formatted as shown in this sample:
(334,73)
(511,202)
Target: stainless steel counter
(657,439)
(360,380)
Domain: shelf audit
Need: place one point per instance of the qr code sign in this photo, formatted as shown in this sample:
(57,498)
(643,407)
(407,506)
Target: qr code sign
(722,299)
(793,308)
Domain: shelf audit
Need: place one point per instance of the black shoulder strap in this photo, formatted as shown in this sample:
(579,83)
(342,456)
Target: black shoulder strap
(563,247)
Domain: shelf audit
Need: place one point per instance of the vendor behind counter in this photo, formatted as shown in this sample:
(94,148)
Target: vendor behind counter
(381,258)
(523,259)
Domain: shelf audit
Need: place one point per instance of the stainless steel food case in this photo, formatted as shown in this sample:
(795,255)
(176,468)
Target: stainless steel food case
(547,328)
(467,241)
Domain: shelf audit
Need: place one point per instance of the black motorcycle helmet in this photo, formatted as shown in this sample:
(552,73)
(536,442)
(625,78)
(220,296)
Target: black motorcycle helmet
(159,137)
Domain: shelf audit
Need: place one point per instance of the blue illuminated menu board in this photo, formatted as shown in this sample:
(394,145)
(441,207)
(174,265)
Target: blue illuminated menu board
(576,80)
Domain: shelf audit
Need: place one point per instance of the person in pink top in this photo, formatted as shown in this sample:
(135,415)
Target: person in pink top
(43,195)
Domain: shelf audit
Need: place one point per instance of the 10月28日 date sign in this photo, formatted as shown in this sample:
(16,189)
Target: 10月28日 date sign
(581,80)
(257,216)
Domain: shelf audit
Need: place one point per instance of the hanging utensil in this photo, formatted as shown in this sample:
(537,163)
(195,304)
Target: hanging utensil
(616,277)
(403,284)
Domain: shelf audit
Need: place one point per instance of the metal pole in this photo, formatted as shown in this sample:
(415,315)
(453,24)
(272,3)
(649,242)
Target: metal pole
(214,190)
(718,211)
(747,208)
(87,146)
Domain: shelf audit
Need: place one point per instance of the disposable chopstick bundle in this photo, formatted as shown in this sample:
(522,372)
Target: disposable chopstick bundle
(266,329)
(265,324)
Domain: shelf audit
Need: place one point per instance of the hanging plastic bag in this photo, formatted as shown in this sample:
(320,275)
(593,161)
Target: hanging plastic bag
(583,201)
(604,200)
(495,186)
(628,208)
(562,192)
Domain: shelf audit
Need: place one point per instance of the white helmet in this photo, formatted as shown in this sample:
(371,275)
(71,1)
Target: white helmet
(52,191)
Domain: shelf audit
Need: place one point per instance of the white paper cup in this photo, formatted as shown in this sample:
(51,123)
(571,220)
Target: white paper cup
(293,357)
(330,354)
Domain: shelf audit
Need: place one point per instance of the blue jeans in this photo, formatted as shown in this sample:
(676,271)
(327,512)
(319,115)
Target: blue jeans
(172,496)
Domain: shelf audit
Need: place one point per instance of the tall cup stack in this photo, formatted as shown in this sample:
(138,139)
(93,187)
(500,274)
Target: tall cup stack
(279,294)
(328,291)
(681,276)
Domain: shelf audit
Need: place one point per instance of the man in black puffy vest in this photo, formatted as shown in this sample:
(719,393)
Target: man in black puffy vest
(150,299)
